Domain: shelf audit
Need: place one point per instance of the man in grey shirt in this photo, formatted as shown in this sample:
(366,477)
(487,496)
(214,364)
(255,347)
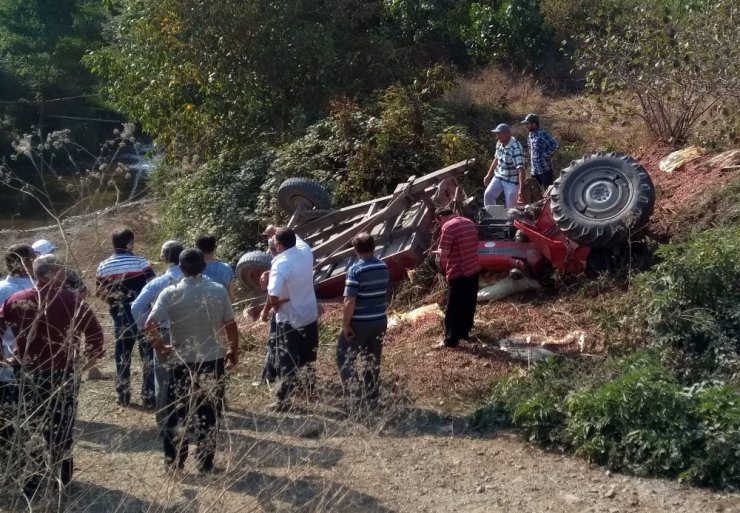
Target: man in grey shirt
(199,312)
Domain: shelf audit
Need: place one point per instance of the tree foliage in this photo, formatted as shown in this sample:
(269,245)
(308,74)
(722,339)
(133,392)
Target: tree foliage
(42,41)
(678,59)
(211,74)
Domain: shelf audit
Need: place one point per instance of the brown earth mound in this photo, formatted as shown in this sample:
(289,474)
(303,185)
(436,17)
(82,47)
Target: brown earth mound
(679,192)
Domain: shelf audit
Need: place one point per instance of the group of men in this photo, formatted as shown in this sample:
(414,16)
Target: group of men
(294,335)
(182,322)
(506,174)
(191,339)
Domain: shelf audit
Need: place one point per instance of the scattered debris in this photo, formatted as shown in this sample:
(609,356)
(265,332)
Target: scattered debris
(417,314)
(678,159)
(507,287)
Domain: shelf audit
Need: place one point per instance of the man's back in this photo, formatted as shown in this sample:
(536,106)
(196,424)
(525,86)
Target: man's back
(367,281)
(460,236)
(291,278)
(48,323)
(197,310)
(122,276)
(220,272)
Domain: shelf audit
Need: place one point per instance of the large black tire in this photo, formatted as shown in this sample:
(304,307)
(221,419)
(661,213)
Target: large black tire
(249,268)
(295,193)
(600,200)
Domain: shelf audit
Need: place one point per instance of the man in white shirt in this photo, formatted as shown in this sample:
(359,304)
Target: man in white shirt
(291,293)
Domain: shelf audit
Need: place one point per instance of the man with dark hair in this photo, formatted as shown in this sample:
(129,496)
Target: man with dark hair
(458,254)
(199,312)
(364,320)
(19,261)
(542,147)
(119,280)
(140,309)
(49,322)
(291,293)
(216,270)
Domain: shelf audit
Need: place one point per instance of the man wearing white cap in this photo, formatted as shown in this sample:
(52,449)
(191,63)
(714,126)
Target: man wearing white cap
(72,280)
(43,247)
(506,173)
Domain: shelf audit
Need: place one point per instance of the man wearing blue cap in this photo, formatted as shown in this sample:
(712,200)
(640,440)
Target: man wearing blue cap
(506,173)
(542,146)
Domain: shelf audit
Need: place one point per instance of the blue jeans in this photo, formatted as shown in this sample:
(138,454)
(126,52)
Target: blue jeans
(127,335)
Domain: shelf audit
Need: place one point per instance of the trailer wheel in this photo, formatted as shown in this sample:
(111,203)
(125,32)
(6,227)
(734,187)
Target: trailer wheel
(250,267)
(302,193)
(599,200)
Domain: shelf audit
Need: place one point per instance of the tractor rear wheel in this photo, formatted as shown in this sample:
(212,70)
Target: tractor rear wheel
(302,193)
(602,199)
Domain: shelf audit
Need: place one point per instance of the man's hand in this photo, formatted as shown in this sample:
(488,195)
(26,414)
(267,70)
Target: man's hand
(164,350)
(264,280)
(265,316)
(487,180)
(231,360)
(348,333)
(520,197)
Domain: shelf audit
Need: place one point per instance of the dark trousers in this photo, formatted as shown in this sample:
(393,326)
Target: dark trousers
(49,402)
(545,179)
(296,347)
(358,359)
(8,413)
(161,371)
(462,297)
(127,336)
(269,368)
(196,393)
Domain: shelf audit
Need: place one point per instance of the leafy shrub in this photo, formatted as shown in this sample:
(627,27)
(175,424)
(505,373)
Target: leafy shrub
(641,422)
(219,199)
(718,409)
(534,402)
(693,303)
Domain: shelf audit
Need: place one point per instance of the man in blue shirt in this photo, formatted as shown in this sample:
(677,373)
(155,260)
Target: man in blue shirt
(364,321)
(140,309)
(19,260)
(542,147)
(216,270)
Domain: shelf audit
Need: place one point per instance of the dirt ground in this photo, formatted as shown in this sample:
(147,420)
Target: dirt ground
(413,453)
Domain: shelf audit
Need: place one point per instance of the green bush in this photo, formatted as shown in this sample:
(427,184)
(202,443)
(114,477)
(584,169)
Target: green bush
(718,409)
(219,198)
(692,303)
(534,402)
(641,422)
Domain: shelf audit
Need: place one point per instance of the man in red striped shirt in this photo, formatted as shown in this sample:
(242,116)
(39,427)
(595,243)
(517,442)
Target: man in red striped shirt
(458,253)
(119,280)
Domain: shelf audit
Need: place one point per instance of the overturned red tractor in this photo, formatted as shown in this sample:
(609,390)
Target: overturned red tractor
(584,220)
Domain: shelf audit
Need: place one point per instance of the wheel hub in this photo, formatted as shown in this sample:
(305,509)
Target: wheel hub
(601,195)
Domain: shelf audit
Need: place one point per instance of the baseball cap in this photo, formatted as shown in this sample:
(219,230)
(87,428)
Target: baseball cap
(501,128)
(43,247)
(531,118)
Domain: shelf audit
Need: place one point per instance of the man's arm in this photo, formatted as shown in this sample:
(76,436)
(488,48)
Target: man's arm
(154,335)
(141,305)
(347,313)
(231,289)
(94,340)
(232,336)
(444,248)
(489,174)
(552,145)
